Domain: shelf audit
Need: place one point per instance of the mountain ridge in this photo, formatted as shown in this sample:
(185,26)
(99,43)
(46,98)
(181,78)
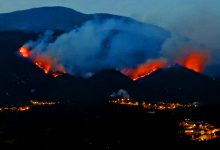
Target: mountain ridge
(54,18)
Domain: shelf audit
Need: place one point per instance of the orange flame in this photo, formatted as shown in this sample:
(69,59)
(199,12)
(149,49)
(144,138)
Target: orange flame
(196,60)
(49,65)
(24,51)
(45,62)
(145,69)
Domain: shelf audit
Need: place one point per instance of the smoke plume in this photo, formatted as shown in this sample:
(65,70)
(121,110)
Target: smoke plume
(197,21)
(99,45)
(134,48)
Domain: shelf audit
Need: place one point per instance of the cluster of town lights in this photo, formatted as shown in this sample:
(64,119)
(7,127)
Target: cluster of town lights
(151,106)
(27,107)
(199,131)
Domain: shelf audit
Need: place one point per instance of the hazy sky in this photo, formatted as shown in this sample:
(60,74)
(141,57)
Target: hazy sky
(160,12)
(194,18)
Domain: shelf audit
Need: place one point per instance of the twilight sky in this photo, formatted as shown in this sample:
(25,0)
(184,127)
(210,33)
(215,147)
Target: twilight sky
(161,12)
(197,19)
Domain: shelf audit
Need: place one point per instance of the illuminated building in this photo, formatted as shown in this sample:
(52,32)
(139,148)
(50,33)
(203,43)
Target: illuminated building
(125,101)
(199,131)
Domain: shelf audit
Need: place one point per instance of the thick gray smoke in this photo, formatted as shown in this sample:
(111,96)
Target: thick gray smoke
(99,45)
(198,20)
(118,44)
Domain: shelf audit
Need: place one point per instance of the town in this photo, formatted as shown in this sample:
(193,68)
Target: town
(31,104)
(152,106)
(199,131)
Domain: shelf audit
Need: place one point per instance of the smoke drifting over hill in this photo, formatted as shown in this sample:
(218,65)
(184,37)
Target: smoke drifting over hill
(197,20)
(118,44)
(101,45)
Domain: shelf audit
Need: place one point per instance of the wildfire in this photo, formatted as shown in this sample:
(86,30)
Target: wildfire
(48,64)
(145,69)
(196,61)
(56,74)
(24,51)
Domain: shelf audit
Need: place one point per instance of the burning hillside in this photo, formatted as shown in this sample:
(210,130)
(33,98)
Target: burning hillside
(195,60)
(145,69)
(93,47)
(45,62)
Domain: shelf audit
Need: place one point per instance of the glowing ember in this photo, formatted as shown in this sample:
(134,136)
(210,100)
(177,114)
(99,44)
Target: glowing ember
(24,51)
(48,64)
(145,69)
(56,74)
(196,61)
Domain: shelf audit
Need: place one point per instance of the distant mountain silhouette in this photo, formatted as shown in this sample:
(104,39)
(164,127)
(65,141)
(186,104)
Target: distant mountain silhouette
(58,18)
(178,82)
(52,18)
(21,80)
(108,81)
